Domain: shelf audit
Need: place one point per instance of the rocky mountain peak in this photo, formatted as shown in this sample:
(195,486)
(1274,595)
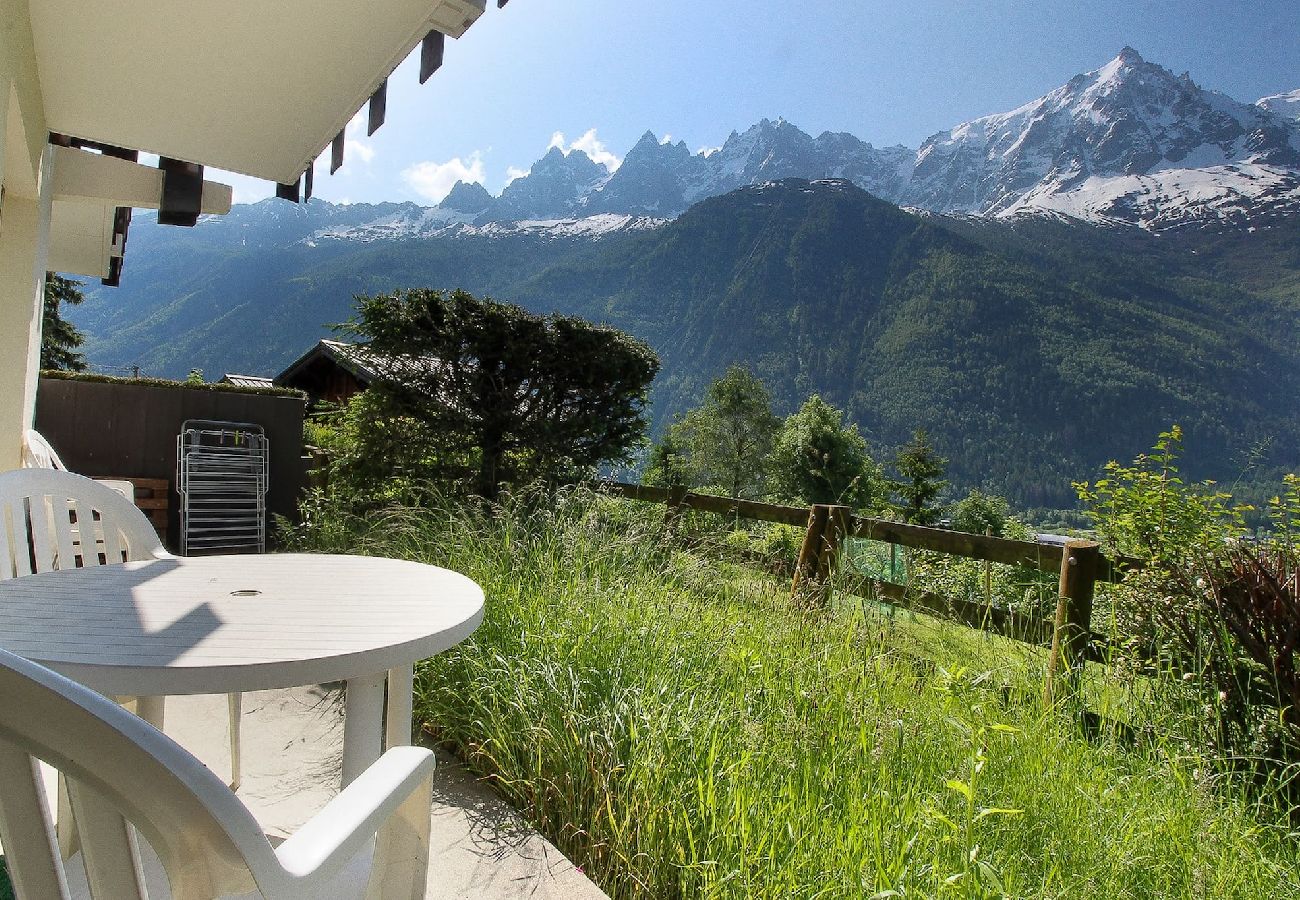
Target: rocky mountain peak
(1113,144)
(467,197)
(1285,105)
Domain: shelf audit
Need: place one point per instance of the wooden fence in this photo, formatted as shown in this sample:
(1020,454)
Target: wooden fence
(1079,565)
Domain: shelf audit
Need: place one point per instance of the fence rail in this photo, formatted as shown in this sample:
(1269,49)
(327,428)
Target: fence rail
(1046,557)
(1080,565)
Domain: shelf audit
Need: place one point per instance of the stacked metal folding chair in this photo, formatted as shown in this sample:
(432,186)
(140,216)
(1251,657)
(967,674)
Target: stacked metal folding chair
(222,470)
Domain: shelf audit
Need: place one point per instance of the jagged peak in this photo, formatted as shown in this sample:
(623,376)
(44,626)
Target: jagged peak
(467,197)
(1130,56)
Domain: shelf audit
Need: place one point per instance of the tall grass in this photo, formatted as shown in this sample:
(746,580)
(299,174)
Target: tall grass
(680,730)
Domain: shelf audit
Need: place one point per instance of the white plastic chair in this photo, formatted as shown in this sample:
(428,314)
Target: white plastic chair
(57,520)
(38,454)
(123,772)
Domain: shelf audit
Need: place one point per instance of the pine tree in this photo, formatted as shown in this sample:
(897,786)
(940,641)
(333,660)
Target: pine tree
(59,338)
(921,481)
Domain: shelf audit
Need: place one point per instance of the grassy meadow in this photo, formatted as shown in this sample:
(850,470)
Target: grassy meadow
(679,729)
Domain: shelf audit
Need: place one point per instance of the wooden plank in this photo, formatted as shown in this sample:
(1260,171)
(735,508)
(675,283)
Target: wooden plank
(957,543)
(994,619)
(1045,557)
(152,485)
(726,506)
(747,509)
(646,492)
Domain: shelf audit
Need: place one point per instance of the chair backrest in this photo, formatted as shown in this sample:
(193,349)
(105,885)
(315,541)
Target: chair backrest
(38,454)
(57,520)
(119,769)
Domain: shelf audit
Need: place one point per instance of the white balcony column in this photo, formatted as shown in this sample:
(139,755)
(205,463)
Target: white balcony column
(24,249)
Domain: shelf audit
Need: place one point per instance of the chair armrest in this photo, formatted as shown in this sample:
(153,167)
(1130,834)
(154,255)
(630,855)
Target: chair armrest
(329,840)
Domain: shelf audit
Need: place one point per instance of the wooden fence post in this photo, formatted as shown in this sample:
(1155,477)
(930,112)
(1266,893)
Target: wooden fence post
(1080,566)
(674,509)
(827,526)
(805,568)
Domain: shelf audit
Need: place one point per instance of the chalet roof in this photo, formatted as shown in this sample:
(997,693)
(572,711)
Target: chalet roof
(249,381)
(349,357)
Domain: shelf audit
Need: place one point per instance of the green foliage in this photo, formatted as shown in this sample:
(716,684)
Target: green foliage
(819,459)
(669,462)
(678,730)
(728,437)
(920,481)
(491,388)
(195,377)
(60,340)
(1205,604)
(980,513)
(1147,510)
(1032,351)
(216,387)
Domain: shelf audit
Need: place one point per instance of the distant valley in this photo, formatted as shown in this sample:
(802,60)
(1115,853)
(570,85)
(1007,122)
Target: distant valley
(1065,280)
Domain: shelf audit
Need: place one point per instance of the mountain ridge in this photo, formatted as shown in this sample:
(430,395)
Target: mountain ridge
(1033,349)
(1112,146)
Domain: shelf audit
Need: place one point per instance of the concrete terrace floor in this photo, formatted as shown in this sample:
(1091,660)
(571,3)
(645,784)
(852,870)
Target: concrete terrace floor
(292,754)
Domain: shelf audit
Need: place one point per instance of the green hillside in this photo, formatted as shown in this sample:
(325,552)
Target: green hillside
(1032,353)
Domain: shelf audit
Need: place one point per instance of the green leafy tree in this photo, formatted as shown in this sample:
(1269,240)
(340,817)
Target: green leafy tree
(981,513)
(819,459)
(728,438)
(59,338)
(920,480)
(494,394)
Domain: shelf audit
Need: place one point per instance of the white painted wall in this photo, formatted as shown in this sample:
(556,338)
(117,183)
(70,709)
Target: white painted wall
(25,167)
(24,243)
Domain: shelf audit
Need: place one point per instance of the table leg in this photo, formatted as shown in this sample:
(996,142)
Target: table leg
(363,724)
(151,710)
(400,701)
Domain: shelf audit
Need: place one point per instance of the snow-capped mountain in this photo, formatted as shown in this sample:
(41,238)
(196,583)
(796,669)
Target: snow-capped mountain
(553,189)
(1128,143)
(1115,144)
(664,179)
(1285,105)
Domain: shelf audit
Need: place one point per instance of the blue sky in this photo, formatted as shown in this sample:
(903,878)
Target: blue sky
(598,73)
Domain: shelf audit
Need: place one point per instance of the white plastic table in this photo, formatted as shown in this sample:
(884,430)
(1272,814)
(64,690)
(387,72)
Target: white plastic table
(224,624)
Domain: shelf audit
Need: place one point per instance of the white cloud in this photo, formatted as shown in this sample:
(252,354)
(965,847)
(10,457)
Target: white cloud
(666,139)
(354,146)
(707,151)
(358,150)
(590,145)
(434,180)
(514,172)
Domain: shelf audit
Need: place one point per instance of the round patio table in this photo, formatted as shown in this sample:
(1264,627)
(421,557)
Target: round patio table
(226,624)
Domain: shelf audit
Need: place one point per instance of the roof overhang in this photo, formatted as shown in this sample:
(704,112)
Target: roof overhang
(86,228)
(348,357)
(250,86)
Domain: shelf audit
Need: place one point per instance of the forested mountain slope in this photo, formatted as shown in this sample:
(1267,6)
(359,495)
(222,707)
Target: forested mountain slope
(1033,351)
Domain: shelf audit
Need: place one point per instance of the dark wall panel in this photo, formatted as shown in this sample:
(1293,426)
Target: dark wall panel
(103,429)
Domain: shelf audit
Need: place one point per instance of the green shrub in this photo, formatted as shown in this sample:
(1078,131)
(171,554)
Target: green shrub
(1184,610)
